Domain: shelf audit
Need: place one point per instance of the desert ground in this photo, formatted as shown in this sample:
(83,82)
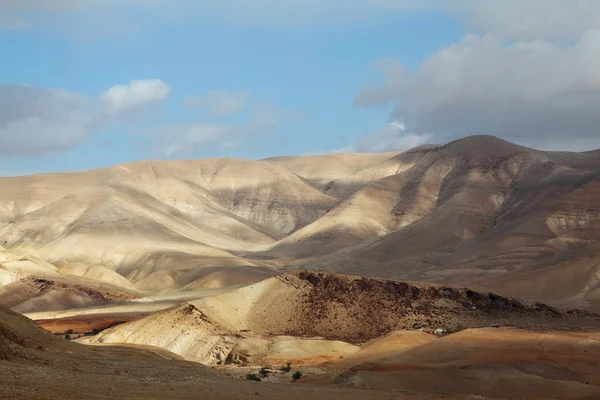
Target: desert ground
(182,279)
(486,363)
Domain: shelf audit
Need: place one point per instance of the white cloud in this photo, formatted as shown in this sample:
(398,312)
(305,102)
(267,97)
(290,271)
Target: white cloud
(528,19)
(183,139)
(12,22)
(36,121)
(393,137)
(220,103)
(138,93)
(535,92)
(543,84)
(394,73)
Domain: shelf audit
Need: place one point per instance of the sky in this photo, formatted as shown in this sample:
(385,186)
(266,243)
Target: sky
(93,83)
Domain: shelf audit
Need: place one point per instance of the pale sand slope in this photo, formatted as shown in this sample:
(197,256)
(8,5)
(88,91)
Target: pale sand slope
(187,332)
(60,293)
(165,218)
(139,307)
(340,174)
(29,284)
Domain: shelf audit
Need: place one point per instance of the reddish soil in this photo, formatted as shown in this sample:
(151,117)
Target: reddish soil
(86,323)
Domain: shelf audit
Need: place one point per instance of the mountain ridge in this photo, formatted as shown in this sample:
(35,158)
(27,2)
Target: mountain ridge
(476,211)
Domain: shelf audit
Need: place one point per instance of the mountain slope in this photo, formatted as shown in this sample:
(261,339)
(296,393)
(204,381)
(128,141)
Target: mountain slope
(478,212)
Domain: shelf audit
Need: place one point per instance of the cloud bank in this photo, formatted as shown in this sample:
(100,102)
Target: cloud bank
(36,121)
(535,92)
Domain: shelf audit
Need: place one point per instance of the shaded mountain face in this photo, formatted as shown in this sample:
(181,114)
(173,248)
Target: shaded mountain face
(19,336)
(479,212)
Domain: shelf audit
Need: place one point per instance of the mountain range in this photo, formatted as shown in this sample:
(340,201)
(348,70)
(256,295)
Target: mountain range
(479,212)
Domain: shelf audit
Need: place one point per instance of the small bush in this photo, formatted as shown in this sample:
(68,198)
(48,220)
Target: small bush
(252,377)
(287,368)
(69,332)
(67,336)
(95,331)
(297,375)
(264,372)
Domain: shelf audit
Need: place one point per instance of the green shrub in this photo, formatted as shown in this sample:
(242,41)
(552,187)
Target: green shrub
(264,372)
(67,336)
(297,375)
(287,368)
(252,377)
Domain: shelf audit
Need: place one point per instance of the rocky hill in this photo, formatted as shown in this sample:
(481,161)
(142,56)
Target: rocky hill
(247,323)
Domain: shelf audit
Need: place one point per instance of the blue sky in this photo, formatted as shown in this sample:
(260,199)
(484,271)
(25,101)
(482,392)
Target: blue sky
(85,85)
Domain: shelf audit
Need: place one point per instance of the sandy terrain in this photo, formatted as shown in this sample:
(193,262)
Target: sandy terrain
(488,362)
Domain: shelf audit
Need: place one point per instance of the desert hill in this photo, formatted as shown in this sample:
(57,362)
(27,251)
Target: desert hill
(477,212)
(478,364)
(19,335)
(247,323)
(37,365)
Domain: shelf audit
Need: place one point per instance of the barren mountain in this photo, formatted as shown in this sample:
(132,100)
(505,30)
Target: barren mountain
(479,212)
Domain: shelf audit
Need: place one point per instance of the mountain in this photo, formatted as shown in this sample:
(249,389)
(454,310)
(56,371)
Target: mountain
(478,212)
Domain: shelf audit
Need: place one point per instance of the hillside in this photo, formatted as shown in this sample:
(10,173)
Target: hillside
(37,365)
(478,212)
(245,324)
(483,363)
(18,335)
